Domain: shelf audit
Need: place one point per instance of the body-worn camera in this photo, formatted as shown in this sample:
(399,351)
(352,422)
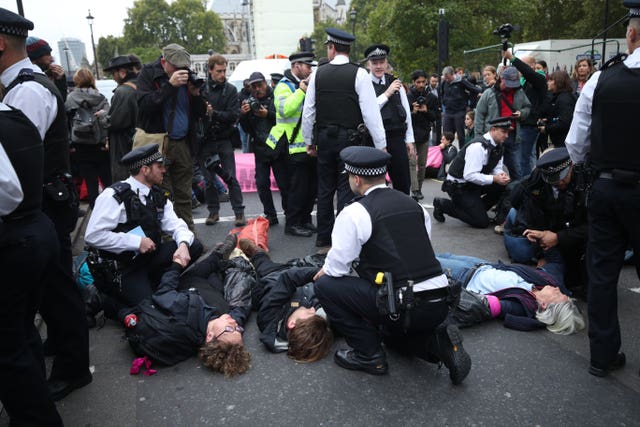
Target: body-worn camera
(254,103)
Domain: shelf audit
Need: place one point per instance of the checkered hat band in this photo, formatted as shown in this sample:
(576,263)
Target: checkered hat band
(377,53)
(558,168)
(337,41)
(146,161)
(365,171)
(14,31)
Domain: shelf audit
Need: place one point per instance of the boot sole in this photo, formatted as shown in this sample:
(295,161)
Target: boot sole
(461,359)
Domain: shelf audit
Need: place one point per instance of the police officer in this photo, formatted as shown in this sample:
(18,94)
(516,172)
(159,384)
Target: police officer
(125,228)
(62,309)
(389,232)
(604,130)
(340,99)
(288,99)
(396,116)
(475,180)
(28,250)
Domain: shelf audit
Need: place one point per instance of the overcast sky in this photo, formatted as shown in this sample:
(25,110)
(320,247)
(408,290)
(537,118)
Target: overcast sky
(55,19)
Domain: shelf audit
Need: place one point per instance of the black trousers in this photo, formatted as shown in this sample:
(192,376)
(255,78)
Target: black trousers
(303,188)
(350,303)
(330,142)
(470,203)
(263,182)
(141,277)
(95,167)
(227,161)
(613,225)
(62,306)
(28,251)
(399,168)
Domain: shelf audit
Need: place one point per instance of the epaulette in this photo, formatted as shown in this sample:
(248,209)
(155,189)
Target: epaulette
(119,190)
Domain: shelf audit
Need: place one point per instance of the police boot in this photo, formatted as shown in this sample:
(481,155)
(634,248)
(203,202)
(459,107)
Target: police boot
(375,364)
(447,346)
(93,302)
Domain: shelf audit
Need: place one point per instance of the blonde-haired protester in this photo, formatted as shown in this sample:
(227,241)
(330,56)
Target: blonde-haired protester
(87,111)
(525,297)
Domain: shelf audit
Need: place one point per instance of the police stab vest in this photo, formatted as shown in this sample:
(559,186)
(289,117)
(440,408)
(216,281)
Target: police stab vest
(148,216)
(495,154)
(399,242)
(56,140)
(616,102)
(336,96)
(21,140)
(393,113)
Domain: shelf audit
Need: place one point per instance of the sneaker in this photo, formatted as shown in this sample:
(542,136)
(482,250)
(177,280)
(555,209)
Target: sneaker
(249,247)
(499,229)
(223,197)
(351,359)
(224,248)
(212,219)
(448,348)
(438,214)
(240,220)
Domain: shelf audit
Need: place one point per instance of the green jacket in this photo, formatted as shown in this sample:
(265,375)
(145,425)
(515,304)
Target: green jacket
(288,100)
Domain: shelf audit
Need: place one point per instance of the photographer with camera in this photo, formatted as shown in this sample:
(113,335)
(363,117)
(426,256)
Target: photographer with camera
(258,116)
(169,102)
(424,108)
(221,100)
(457,93)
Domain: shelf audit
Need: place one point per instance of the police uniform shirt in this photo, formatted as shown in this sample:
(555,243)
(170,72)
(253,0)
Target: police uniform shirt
(366,99)
(108,213)
(35,100)
(475,158)
(578,140)
(10,189)
(382,100)
(351,231)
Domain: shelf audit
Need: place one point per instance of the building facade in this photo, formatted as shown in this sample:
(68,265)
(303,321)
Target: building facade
(72,54)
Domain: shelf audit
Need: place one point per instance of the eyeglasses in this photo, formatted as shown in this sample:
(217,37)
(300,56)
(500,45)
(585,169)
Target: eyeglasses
(229,329)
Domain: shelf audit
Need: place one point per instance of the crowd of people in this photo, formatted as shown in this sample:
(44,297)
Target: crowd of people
(327,130)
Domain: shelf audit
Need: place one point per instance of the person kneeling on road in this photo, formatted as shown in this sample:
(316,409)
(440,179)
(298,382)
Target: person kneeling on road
(389,232)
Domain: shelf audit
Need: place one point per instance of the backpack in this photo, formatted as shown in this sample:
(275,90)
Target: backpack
(85,128)
(162,337)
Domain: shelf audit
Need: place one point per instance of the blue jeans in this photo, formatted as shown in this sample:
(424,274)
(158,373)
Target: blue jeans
(528,137)
(512,157)
(458,266)
(520,250)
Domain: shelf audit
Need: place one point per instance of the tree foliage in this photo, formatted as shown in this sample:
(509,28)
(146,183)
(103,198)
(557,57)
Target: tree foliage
(153,24)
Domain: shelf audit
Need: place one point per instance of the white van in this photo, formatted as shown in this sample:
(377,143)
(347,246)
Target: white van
(265,66)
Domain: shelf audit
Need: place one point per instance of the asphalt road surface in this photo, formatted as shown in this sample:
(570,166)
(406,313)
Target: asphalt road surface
(517,378)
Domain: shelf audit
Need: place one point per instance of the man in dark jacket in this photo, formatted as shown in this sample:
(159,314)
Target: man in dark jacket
(456,92)
(258,116)
(170,103)
(221,100)
(39,53)
(535,87)
(122,114)
(290,316)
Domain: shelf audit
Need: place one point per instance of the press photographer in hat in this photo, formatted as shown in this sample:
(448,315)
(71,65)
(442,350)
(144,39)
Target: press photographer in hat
(123,113)
(396,116)
(548,219)
(169,102)
(28,89)
(124,233)
(339,104)
(604,133)
(389,233)
(476,179)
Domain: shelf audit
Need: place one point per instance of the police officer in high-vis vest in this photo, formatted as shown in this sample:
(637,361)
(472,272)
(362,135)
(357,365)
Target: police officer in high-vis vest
(288,98)
(389,233)
(604,131)
(476,179)
(396,116)
(340,103)
(128,254)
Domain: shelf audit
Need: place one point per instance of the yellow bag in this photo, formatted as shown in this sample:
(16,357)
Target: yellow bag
(142,138)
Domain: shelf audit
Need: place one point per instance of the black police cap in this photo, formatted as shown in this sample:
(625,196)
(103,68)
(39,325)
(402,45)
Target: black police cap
(377,51)
(554,165)
(306,57)
(501,122)
(276,77)
(14,24)
(142,156)
(336,36)
(122,61)
(634,8)
(365,161)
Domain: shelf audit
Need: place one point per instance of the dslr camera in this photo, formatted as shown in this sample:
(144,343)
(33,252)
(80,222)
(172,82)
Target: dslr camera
(193,78)
(254,103)
(421,100)
(504,31)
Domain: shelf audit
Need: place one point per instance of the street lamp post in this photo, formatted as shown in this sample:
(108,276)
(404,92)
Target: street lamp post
(353,14)
(93,45)
(247,22)
(66,54)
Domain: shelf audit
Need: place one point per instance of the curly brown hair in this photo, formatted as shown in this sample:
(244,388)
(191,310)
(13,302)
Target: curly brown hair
(226,358)
(310,340)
